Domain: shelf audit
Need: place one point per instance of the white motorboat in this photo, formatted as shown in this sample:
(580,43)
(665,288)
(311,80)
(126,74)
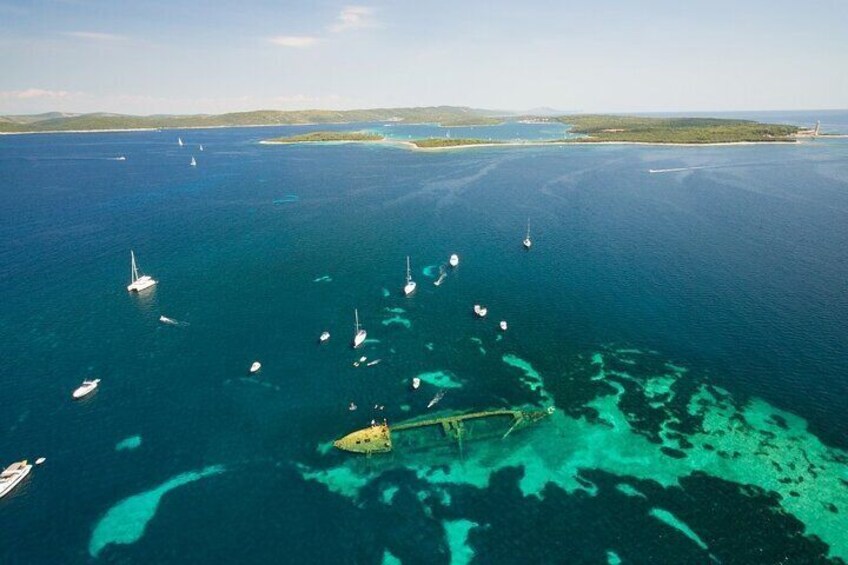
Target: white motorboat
(121,158)
(12,475)
(167,320)
(193,162)
(324,337)
(527,242)
(503,325)
(138,283)
(410,284)
(359,333)
(255,367)
(480,311)
(372,363)
(454,260)
(86,388)
(416,382)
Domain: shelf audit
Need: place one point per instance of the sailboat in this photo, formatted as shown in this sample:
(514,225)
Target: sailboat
(138,283)
(527,243)
(410,284)
(201,147)
(361,334)
(193,162)
(180,141)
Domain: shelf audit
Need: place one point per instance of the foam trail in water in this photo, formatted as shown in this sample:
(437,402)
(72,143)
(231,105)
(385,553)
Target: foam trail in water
(172,322)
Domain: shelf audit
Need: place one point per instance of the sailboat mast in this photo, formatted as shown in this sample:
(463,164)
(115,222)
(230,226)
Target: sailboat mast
(408,275)
(133,269)
(356,315)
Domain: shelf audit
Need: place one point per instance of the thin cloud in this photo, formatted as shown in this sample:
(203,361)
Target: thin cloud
(95,36)
(353,17)
(33,93)
(296,41)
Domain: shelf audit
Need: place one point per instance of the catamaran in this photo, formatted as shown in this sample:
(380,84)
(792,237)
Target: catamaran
(138,283)
(410,284)
(361,334)
(193,162)
(527,243)
(12,475)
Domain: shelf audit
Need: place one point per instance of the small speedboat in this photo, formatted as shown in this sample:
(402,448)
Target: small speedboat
(372,363)
(454,260)
(12,475)
(254,368)
(503,325)
(167,320)
(416,382)
(352,407)
(86,388)
(480,311)
(436,399)
(324,337)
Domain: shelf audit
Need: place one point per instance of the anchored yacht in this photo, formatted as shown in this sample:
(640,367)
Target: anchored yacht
(138,283)
(480,311)
(12,475)
(410,284)
(360,334)
(86,388)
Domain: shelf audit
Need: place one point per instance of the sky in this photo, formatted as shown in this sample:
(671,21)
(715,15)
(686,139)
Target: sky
(214,56)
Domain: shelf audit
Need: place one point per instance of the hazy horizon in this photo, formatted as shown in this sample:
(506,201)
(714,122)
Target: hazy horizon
(187,57)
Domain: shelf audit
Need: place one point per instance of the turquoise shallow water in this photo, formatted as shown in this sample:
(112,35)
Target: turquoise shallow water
(688,326)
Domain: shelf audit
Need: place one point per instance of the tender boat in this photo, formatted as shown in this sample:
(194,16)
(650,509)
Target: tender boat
(436,399)
(324,337)
(480,311)
(442,275)
(416,382)
(360,334)
(454,260)
(254,368)
(527,243)
(86,388)
(503,325)
(372,363)
(410,284)
(138,283)
(12,475)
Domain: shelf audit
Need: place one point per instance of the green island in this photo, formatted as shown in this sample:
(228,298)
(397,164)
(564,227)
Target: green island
(435,142)
(603,128)
(589,128)
(325,136)
(56,121)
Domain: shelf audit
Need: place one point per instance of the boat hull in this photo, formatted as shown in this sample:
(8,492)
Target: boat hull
(7,485)
(141,283)
(434,433)
(359,339)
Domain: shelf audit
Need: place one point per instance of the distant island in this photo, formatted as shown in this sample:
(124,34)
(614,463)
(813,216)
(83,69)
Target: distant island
(327,136)
(586,128)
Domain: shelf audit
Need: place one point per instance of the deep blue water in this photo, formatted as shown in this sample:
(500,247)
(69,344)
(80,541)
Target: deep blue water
(736,270)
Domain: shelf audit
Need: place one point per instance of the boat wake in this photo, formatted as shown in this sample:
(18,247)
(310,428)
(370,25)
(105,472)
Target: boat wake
(172,322)
(682,169)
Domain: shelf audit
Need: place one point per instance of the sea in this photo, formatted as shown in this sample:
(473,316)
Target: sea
(682,318)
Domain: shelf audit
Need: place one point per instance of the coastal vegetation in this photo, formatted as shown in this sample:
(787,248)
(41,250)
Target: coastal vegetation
(443,115)
(435,142)
(323,136)
(599,128)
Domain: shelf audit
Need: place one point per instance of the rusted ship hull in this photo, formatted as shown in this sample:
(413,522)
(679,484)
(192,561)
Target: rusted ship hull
(445,431)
